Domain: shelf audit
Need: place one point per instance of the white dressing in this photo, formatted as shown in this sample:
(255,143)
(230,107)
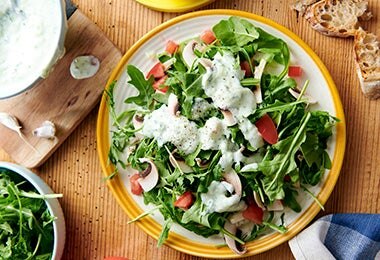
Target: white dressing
(83,67)
(251,133)
(29,42)
(213,135)
(216,199)
(200,108)
(165,128)
(221,82)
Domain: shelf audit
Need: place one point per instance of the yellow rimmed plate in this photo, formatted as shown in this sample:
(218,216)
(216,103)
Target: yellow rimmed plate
(321,87)
(174,5)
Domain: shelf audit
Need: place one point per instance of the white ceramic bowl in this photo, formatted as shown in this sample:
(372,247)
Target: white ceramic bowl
(31,42)
(52,204)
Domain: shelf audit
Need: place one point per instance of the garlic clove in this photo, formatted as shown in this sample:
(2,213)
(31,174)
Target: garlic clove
(46,130)
(12,123)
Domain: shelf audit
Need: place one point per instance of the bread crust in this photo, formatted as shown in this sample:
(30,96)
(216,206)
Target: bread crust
(339,18)
(367,61)
(302,5)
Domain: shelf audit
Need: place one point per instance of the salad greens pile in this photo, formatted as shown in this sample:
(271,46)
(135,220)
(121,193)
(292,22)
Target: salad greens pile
(26,228)
(279,171)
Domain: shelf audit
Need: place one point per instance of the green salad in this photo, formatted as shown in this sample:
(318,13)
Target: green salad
(26,225)
(220,135)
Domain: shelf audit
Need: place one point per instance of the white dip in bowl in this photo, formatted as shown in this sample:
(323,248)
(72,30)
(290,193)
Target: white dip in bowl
(31,40)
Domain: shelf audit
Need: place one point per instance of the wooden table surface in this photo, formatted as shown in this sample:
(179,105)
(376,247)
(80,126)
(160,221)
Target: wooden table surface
(97,226)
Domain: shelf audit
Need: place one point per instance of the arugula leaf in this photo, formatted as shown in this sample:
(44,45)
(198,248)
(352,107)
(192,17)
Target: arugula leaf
(290,199)
(164,232)
(197,214)
(283,162)
(144,87)
(235,31)
(277,106)
(312,150)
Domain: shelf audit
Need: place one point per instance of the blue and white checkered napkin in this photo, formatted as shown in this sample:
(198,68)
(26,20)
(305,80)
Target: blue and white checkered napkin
(339,236)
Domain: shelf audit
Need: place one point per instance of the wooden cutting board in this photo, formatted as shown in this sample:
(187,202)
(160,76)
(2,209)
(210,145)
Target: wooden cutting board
(60,98)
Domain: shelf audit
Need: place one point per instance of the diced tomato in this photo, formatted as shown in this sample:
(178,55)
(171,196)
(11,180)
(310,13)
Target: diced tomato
(185,200)
(253,213)
(267,129)
(208,36)
(287,178)
(159,84)
(157,71)
(295,71)
(244,65)
(135,185)
(171,47)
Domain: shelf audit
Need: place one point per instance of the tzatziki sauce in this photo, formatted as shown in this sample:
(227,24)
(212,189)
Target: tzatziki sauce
(221,83)
(30,41)
(216,198)
(165,127)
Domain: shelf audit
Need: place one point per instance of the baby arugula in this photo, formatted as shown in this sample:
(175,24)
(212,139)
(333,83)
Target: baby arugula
(26,229)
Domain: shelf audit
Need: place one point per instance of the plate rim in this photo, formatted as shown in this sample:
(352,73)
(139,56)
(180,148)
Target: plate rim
(173,5)
(176,241)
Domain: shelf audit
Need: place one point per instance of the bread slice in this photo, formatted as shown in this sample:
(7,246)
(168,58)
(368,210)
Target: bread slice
(301,5)
(337,17)
(367,59)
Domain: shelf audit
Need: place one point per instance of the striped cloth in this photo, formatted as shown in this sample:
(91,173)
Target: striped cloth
(339,236)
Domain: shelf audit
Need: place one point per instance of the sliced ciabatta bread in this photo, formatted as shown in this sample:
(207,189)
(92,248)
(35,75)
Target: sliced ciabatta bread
(367,59)
(337,17)
(301,5)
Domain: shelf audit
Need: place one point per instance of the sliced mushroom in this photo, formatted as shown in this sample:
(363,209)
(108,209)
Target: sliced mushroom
(149,177)
(189,56)
(258,73)
(296,94)
(258,201)
(188,53)
(233,178)
(179,163)
(229,118)
(202,163)
(205,62)
(246,228)
(236,217)
(173,104)
(276,206)
(137,121)
(167,64)
(250,167)
(231,243)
